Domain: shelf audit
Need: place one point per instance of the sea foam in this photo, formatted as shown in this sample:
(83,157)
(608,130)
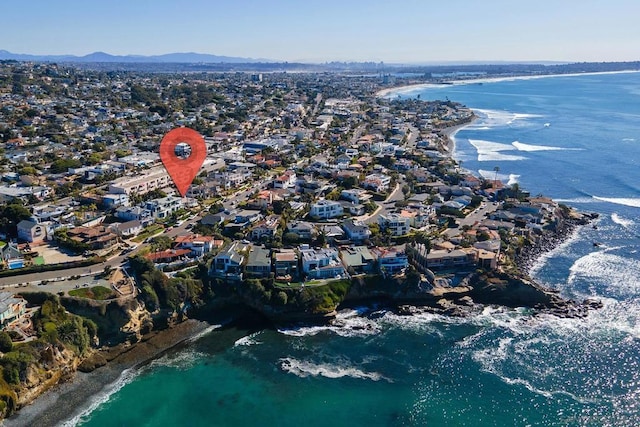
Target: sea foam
(632,202)
(126,377)
(492,151)
(340,369)
(626,223)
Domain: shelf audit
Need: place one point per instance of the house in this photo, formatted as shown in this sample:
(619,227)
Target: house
(127,229)
(395,223)
(166,256)
(214,219)
(110,201)
(332,233)
(325,209)
(134,213)
(451,258)
(96,238)
(258,262)
(418,217)
(31,231)
(11,307)
(352,208)
(228,263)
(487,259)
(355,195)
(391,260)
(11,256)
(247,216)
(265,229)
(377,182)
(263,199)
(286,263)
(304,230)
(286,180)
(155,178)
(358,259)
(197,244)
(321,263)
(163,207)
(356,231)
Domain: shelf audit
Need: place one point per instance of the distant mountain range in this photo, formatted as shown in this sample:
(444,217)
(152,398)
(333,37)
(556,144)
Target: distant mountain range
(188,57)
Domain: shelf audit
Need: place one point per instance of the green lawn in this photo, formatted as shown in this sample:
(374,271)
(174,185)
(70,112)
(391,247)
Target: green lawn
(149,231)
(39,260)
(95,292)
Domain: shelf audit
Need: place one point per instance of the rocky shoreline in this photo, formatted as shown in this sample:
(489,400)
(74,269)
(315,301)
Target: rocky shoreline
(68,399)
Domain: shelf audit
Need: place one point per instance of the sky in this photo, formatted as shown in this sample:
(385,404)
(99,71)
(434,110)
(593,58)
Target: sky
(401,31)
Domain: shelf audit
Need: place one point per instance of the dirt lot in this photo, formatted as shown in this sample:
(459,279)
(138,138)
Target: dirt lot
(55,255)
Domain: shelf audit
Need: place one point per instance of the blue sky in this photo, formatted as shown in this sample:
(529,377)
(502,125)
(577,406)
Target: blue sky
(409,31)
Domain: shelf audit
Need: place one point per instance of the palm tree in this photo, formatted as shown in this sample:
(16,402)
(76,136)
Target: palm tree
(495,180)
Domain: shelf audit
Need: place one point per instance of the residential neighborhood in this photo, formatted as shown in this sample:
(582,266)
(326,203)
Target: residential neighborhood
(304,181)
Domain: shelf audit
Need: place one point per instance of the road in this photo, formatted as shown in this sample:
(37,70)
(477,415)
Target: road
(474,217)
(387,205)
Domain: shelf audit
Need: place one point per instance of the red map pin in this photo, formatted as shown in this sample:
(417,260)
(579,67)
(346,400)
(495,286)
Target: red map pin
(182,152)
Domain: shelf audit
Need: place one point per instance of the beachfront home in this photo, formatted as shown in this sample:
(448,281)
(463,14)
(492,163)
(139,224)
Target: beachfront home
(358,259)
(321,263)
(391,260)
(228,263)
(286,263)
(258,262)
(11,307)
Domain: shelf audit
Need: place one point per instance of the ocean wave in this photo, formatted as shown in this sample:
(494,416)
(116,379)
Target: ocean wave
(248,340)
(632,202)
(348,323)
(620,275)
(341,369)
(182,360)
(126,377)
(626,223)
(203,333)
(531,148)
(581,200)
(561,249)
(511,178)
(628,140)
(492,151)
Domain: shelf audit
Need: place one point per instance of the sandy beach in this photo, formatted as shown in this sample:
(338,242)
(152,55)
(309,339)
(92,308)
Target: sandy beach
(68,400)
(409,88)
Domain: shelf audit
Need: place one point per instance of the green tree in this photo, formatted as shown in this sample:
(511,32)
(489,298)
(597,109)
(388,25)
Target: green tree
(6,344)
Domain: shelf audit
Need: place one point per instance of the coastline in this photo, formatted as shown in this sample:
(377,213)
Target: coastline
(383,93)
(450,134)
(71,399)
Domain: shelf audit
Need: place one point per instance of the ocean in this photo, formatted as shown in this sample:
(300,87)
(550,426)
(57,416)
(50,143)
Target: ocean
(573,138)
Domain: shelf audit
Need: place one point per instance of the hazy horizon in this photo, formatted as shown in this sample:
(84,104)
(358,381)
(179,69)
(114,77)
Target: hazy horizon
(405,32)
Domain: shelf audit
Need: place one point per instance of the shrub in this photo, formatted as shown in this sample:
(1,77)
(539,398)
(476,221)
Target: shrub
(6,344)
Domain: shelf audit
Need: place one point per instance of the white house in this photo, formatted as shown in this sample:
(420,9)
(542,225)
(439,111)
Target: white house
(391,260)
(286,180)
(164,207)
(325,209)
(321,263)
(356,231)
(355,195)
(397,224)
(377,182)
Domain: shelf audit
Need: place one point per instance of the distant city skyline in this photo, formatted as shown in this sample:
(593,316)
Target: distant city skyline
(406,31)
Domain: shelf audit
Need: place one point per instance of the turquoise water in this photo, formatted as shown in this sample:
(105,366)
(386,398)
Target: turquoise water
(573,138)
